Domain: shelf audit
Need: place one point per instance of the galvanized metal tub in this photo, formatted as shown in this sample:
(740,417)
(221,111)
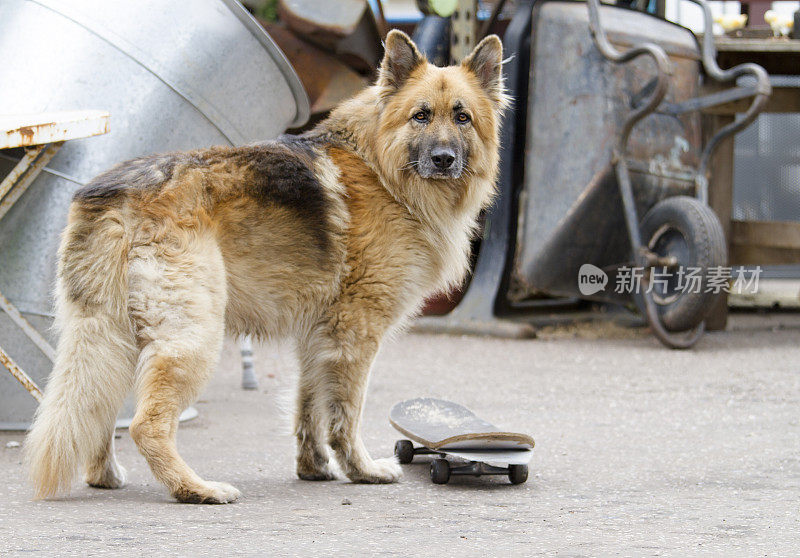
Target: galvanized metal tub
(174,75)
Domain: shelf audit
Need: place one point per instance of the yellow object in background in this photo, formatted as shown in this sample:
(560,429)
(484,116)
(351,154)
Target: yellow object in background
(780,23)
(442,8)
(731,22)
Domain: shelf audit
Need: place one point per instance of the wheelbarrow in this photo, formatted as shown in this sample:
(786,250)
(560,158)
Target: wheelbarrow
(604,164)
(678,232)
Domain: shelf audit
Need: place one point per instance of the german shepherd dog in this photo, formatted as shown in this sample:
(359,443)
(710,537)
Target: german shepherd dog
(334,238)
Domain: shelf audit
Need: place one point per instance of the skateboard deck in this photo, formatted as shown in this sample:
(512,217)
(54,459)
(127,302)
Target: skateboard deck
(451,428)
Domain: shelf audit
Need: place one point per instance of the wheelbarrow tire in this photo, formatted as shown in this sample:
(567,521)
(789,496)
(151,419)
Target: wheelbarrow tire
(690,230)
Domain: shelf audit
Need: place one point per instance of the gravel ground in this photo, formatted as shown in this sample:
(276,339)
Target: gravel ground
(640,451)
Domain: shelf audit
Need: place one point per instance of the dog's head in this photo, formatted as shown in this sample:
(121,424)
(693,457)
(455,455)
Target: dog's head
(440,123)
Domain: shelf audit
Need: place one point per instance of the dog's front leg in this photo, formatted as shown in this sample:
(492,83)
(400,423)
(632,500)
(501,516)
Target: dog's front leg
(336,368)
(349,377)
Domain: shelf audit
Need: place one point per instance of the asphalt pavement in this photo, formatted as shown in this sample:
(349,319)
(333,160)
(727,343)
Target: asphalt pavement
(640,451)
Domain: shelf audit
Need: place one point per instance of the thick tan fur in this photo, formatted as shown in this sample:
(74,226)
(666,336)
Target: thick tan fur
(332,238)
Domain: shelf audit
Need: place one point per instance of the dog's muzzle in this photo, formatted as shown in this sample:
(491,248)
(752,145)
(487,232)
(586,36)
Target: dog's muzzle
(442,161)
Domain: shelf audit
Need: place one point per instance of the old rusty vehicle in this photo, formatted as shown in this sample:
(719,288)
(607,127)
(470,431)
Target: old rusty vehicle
(605,164)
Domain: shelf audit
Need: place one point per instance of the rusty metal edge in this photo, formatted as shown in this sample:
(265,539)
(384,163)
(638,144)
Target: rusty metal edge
(292,79)
(20,169)
(28,175)
(81,124)
(21,376)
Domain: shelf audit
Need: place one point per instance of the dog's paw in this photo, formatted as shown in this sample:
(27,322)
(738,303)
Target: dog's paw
(323,474)
(378,471)
(315,467)
(208,493)
(113,476)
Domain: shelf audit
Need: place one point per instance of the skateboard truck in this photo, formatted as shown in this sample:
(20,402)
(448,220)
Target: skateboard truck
(442,470)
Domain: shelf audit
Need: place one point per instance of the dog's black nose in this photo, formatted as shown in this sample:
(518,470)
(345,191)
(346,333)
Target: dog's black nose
(442,157)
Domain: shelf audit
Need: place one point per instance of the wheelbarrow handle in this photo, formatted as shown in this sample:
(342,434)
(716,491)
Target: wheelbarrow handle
(663,71)
(762,89)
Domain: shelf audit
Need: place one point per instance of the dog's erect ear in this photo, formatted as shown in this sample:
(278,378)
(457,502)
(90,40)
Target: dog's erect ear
(486,62)
(400,59)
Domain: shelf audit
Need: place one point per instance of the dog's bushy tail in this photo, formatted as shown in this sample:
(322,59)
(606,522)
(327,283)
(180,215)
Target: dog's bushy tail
(95,355)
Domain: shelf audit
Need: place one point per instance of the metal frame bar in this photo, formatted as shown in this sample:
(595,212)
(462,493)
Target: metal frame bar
(660,58)
(487,25)
(249,380)
(21,376)
(763,90)
(11,188)
(20,169)
(24,173)
(708,101)
(27,328)
(464,29)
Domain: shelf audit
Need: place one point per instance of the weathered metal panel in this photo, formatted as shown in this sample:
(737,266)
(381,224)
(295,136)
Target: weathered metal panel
(570,212)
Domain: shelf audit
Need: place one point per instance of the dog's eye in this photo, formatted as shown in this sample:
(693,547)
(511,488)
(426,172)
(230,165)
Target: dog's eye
(421,116)
(462,117)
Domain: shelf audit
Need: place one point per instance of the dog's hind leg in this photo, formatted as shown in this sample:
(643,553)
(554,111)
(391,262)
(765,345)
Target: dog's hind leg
(178,303)
(168,385)
(93,372)
(94,367)
(103,470)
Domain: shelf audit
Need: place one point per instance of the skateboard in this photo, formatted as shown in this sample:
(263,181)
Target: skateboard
(445,428)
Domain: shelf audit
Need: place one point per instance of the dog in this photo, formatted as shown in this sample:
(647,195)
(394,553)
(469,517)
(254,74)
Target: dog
(334,238)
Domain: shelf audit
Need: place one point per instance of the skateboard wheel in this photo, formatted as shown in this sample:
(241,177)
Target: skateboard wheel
(404,450)
(517,474)
(440,471)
